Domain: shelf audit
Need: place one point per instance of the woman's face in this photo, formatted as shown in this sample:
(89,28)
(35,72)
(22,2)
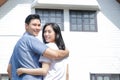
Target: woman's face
(49,34)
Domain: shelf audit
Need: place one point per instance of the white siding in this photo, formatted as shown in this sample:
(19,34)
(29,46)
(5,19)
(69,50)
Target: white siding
(90,52)
(12,16)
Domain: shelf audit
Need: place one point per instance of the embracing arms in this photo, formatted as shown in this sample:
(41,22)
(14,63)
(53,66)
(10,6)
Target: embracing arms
(38,71)
(56,54)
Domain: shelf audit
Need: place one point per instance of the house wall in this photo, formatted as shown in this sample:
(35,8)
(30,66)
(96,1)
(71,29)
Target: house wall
(12,16)
(90,52)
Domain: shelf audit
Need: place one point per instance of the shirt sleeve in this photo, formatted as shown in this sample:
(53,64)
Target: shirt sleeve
(37,46)
(44,59)
(10,61)
(67,60)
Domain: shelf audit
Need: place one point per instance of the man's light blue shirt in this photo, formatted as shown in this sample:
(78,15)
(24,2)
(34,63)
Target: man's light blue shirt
(26,54)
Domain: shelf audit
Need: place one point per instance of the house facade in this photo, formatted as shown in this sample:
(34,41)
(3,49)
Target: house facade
(90,28)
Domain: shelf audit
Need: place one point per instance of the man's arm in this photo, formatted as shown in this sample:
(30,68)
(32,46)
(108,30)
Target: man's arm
(55,54)
(9,70)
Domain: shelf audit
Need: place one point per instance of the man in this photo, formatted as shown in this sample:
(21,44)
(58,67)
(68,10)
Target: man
(28,49)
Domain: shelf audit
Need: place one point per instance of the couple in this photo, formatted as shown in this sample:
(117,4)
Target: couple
(31,59)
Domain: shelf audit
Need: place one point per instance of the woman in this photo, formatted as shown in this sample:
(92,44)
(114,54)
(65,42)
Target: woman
(51,69)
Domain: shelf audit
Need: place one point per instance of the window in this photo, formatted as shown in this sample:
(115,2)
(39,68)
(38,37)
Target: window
(51,15)
(105,77)
(83,21)
(4,77)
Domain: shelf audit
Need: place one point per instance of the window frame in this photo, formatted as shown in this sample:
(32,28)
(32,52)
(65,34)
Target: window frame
(103,76)
(78,17)
(56,16)
(4,75)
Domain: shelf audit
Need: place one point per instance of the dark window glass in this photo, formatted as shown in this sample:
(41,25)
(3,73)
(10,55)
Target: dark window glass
(51,15)
(104,76)
(83,21)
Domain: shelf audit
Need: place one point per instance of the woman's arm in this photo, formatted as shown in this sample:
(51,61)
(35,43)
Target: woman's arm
(39,71)
(67,72)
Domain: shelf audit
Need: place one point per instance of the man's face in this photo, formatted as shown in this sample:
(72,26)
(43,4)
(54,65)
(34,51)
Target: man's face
(33,27)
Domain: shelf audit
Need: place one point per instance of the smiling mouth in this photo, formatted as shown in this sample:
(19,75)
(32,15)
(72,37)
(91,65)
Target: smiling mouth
(46,38)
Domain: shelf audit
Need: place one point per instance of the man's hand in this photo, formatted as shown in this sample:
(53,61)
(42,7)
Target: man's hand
(20,71)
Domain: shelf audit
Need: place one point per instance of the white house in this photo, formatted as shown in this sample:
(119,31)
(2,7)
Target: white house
(91,30)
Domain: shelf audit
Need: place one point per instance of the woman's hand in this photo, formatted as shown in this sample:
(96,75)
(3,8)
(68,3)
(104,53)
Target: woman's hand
(20,71)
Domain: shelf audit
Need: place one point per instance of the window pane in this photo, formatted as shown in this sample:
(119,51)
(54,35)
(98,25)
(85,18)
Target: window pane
(51,15)
(79,27)
(73,21)
(44,20)
(73,14)
(93,77)
(52,19)
(45,13)
(92,21)
(106,78)
(86,15)
(92,27)
(79,21)
(86,27)
(79,15)
(59,14)
(61,26)
(115,77)
(40,13)
(73,27)
(58,20)
(86,20)
(4,77)
(99,78)
(92,15)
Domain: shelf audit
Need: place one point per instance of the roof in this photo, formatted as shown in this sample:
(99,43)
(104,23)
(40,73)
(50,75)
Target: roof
(2,2)
(118,1)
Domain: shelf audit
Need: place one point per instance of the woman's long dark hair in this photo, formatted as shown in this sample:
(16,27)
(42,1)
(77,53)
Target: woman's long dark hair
(58,36)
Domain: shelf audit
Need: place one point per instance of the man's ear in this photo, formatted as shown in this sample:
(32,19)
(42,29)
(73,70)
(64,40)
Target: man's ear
(26,26)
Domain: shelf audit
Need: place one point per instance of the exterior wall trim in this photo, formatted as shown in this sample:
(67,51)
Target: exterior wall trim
(38,4)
